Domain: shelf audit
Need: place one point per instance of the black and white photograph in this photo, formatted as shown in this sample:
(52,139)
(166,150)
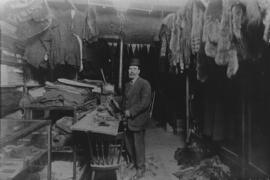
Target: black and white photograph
(135,90)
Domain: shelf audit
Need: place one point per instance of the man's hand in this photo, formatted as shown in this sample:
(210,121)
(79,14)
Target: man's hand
(127,114)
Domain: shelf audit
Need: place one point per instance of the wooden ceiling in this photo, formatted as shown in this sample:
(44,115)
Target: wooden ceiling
(139,23)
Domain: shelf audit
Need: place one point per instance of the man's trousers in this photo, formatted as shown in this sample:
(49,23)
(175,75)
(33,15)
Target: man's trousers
(136,147)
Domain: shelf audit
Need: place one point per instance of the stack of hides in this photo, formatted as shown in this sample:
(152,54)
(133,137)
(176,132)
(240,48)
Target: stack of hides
(63,95)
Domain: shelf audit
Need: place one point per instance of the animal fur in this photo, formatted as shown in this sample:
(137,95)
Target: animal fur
(264,5)
(225,36)
(173,40)
(253,11)
(169,20)
(197,26)
(211,27)
(232,64)
(201,67)
(237,19)
(186,37)
(210,49)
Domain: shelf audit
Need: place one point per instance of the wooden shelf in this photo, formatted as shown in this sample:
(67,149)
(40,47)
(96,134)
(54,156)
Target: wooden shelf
(26,131)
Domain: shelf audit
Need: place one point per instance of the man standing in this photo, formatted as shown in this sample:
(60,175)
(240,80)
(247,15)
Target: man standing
(137,98)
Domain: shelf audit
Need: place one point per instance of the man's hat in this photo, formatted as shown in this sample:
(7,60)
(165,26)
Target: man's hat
(134,62)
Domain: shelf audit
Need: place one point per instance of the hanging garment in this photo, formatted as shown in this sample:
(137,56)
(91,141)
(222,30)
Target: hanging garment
(90,29)
(35,52)
(60,43)
(29,17)
(73,20)
(70,49)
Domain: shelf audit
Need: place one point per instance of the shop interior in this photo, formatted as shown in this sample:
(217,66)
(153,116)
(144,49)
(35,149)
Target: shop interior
(64,66)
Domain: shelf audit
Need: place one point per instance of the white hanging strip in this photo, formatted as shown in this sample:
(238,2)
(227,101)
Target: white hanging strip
(81,53)
(128,46)
(133,47)
(115,44)
(148,48)
(110,44)
(72,13)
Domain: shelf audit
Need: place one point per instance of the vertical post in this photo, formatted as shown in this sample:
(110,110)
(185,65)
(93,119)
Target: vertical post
(187,107)
(49,170)
(74,146)
(243,143)
(120,65)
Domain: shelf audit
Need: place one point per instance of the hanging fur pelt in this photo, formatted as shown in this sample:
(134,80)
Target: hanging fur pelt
(186,37)
(237,20)
(169,20)
(211,27)
(173,40)
(233,64)
(225,36)
(253,11)
(201,67)
(197,26)
(264,5)
(226,51)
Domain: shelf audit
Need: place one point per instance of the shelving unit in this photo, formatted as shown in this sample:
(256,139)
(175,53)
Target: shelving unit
(29,115)
(13,167)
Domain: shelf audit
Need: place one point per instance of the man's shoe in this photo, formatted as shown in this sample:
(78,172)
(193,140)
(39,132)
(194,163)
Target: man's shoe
(140,173)
(130,166)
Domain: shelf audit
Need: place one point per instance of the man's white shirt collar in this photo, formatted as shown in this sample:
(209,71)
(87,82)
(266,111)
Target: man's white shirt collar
(134,80)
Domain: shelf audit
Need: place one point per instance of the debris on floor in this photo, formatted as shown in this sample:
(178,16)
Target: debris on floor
(207,169)
(155,170)
(192,153)
(198,162)
(61,170)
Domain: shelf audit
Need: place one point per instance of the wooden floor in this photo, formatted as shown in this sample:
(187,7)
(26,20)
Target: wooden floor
(160,163)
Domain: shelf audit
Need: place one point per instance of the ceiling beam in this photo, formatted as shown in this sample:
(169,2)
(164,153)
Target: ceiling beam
(137,6)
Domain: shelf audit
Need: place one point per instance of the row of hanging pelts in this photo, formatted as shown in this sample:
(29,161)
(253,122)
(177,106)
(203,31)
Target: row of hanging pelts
(218,25)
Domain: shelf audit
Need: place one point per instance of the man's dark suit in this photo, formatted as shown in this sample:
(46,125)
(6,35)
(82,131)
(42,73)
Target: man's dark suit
(137,99)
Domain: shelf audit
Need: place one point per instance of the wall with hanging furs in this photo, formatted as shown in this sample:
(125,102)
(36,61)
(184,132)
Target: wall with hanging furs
(228,41)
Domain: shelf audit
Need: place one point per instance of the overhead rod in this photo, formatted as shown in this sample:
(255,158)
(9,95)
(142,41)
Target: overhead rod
(111,5)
